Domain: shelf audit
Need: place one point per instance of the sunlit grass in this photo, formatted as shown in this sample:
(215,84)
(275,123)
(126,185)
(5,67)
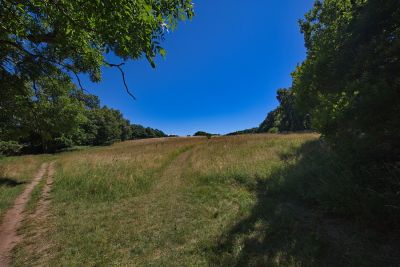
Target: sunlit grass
(222,201)
(153,202)
(15,172)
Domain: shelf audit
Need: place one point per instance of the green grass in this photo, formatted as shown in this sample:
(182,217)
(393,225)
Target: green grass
(36,194)
(254,200)
(15,172)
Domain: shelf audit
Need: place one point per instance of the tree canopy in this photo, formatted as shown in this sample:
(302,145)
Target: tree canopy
(45,46)
(350,86)
(60,120)
(203,133)
(350,81)
(246,131)
(64,38)
(285,118)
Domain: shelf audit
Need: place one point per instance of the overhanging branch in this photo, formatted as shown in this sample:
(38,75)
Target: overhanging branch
(119,67)
(68,67)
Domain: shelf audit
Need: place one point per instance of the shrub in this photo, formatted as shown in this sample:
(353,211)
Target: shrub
(9,148)
(273,130)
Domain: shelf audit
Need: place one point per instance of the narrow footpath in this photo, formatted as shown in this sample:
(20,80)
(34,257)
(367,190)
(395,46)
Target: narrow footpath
(13,218)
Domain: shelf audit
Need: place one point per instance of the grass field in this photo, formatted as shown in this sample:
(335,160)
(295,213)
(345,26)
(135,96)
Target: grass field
(224,201)
(14,174)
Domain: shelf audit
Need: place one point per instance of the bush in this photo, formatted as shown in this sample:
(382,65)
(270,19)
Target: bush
(9,148)
(62,143)
(349,82)
(273,130)
(201,133)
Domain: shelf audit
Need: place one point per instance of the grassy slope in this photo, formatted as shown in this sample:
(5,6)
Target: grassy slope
(223,201)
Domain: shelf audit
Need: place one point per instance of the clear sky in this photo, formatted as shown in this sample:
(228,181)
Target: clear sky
(221,71)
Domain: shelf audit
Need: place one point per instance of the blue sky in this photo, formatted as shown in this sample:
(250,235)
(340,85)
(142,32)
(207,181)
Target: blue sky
(221,71)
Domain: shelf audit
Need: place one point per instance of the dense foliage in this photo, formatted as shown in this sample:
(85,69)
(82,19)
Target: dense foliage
(104,126)
(40,39)
(45,118)
(61,117)
(285,118)
(350,85)
(348,89)
(350,81)
(140,132)
(110,125)
(202,133)
(46,44)
(246,131)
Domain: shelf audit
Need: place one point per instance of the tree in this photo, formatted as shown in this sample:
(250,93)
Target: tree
(38,38)
(140,132)
(271,122)
(47,117)
(285,118)
(44,45)
(126,130)
(350,81)
(291,120)
(107,125)
(246,131)
(201,133)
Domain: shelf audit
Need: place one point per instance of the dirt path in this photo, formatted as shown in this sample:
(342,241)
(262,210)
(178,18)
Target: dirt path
(13,218)
(44,201)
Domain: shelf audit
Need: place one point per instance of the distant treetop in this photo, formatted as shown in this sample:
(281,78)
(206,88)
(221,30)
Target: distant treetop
(202,133)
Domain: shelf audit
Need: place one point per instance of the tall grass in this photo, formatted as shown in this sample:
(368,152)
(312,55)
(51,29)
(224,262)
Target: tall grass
(315,210)
(15,172)
(113,174)
(254,200)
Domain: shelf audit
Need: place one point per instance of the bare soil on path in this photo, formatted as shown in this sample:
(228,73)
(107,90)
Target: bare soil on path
(12,220)
(44,201)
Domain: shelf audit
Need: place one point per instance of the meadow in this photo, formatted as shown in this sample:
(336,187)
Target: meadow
(246,200)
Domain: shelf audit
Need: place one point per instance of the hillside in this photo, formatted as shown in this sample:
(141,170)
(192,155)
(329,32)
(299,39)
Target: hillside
(223,201)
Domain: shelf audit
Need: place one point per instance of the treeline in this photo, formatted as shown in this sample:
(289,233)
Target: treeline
(44,49)
(285,118)
(59,117)
(348,90)
(202,133)
(104,126)
(349,84)
(246,131)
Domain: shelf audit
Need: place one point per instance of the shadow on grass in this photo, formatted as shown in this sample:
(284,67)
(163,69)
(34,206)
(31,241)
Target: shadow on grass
(9,182)
(289,227)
